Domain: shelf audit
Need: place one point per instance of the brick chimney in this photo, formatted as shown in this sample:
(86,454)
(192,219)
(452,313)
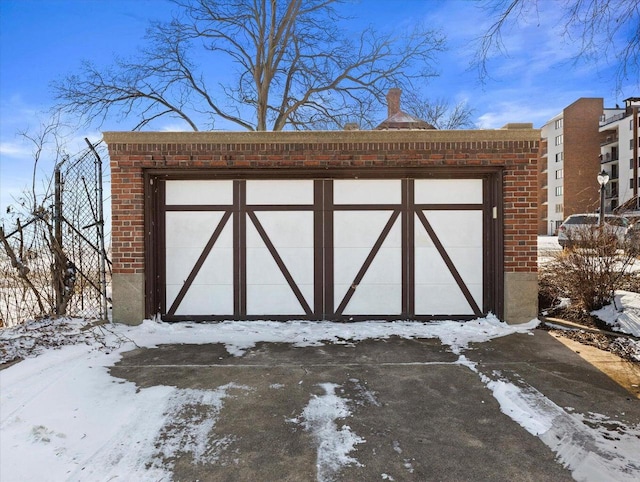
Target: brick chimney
(397,119)
(393,101)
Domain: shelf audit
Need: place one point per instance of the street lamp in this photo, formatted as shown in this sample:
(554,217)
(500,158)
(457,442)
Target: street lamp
(603,179)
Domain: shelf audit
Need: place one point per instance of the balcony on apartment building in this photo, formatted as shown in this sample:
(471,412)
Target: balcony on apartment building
(609,139)
(608,120)
(611,156)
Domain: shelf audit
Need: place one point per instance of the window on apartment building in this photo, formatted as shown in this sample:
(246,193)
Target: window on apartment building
(559,208)
(558,190)
(559,156)
(559,123)
(559,173)
(631,183)
(559,140)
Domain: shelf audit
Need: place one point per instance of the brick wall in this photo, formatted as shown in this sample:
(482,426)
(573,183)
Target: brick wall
(581,155)
(515,151)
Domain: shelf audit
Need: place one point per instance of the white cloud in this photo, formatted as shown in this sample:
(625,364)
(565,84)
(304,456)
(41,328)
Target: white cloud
(502,113)
(14,149)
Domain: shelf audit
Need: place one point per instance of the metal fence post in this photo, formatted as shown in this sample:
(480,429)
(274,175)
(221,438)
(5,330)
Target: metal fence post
(100,227)
(57,241)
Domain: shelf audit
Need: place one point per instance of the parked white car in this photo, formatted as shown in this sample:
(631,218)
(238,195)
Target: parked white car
(580,228)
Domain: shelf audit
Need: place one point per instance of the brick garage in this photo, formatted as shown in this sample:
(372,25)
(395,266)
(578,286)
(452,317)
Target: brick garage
(148,168)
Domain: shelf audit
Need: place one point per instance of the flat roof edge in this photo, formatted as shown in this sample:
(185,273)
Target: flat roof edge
(285,137)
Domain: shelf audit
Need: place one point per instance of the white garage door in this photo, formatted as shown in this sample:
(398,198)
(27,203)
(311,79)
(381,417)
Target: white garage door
(323,249)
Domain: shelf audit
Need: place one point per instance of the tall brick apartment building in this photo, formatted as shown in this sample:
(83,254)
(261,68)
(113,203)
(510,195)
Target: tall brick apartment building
(569,164)
(576,145)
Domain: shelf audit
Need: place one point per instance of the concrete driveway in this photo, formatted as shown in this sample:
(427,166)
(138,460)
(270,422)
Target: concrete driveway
(404,409)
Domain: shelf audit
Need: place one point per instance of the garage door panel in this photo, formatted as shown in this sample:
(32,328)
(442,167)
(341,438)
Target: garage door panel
(461,259)
(198,192)
(285,229)
(430,267)
(431,270)
(276,299)
(380,290)
(360,271)
(448,191)
(386,268)
(217,268)
(441,298)
(367,191)
(355,234)
(192,229)
(263,269)
(468,262)
(456,228)
(216,272)
(267,278)
(204,300)
(361,229)
(375,299)
(179,263)
(284,192)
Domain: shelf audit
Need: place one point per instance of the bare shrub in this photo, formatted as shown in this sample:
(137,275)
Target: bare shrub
(589,270)
(52,255)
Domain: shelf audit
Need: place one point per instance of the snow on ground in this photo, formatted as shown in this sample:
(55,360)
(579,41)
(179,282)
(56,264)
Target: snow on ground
(333,444)
(63,417)
(64,410)
(548,244)
(607,453)
(624,314)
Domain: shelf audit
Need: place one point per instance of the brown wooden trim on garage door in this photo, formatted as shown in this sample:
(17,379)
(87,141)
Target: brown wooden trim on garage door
(323,209)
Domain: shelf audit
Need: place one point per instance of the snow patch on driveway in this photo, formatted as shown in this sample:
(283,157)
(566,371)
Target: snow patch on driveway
(239,336)
(593,447)
(334,444)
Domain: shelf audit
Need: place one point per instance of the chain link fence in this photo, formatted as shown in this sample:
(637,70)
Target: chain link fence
(54,262)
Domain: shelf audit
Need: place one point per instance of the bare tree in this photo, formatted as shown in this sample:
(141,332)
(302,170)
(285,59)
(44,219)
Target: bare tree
(35,279)
(440,112)
(603,29)
(294,67)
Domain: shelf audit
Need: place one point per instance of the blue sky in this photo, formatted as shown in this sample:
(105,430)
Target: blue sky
(43,40)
